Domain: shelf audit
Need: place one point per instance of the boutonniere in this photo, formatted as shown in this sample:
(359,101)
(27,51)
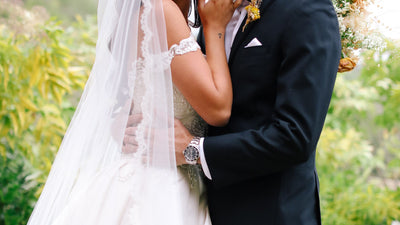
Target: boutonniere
(253,12)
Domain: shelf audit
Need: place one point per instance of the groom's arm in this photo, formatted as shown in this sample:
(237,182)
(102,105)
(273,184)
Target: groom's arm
(305,82)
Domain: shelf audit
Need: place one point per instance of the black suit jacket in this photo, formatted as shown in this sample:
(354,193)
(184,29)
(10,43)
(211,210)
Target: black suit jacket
(263,162)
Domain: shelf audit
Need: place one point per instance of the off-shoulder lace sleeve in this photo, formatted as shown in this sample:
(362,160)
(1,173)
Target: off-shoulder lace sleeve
(185,46)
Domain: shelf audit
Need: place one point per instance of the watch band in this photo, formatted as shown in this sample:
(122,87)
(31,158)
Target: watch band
(195,141)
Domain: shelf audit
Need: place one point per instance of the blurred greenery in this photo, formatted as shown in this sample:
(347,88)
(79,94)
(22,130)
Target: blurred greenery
(44,64)
(18,188)
(65,9)
(359,150)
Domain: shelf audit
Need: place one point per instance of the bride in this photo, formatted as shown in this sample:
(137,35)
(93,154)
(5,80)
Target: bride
(149,67)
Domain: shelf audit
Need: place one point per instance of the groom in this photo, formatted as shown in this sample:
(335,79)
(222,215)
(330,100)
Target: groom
(261,165)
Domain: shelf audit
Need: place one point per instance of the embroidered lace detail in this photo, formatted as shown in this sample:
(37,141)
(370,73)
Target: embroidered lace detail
(182,111)
(185,46)
(196,126)
(186,114)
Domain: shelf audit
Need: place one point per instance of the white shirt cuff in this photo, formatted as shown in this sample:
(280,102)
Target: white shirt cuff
(203,160)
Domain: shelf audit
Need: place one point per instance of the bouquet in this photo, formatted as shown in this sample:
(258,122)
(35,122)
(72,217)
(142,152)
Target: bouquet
(358,29)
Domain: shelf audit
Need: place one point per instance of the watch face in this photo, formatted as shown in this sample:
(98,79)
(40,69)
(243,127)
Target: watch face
(191,153)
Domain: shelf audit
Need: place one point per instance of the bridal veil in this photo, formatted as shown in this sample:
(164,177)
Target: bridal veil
(128,77)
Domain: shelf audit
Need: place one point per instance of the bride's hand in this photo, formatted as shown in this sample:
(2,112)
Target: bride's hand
(215,14)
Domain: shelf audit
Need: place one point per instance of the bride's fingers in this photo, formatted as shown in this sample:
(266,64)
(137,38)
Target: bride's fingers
(237,3)
(200,4)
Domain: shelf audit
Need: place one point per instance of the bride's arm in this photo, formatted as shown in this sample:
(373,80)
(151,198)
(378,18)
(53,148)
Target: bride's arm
(205,83)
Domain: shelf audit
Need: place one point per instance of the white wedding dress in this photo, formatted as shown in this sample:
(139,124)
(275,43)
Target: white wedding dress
(110,197)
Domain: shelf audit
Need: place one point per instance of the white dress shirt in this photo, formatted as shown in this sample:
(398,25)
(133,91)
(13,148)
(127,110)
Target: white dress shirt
(230,33)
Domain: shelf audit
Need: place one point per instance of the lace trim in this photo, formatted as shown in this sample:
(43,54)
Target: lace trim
(143,65)
(185,46)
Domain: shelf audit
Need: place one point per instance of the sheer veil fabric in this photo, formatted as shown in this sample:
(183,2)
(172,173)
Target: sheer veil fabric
(127,78)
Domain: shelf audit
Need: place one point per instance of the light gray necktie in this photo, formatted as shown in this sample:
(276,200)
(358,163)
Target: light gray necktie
(233,26)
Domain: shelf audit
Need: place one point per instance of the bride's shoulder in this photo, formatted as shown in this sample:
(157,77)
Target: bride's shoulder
(170,5)
(172,11)
(177,28)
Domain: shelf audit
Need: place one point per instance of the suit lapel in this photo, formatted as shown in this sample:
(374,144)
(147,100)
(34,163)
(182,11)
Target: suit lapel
(241,35)
(239,38)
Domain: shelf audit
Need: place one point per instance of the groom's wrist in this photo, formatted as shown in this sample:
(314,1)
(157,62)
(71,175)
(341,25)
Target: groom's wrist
(203,161)
(191,152)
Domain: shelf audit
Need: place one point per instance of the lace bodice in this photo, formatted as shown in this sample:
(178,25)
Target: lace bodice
(186,114)
(182,109)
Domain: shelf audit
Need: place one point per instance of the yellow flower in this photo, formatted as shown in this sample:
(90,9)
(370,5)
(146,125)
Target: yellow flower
(346,64)
(253,12)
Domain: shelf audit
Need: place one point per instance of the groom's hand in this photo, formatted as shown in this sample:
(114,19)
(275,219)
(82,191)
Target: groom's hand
(130,143)
(182,139)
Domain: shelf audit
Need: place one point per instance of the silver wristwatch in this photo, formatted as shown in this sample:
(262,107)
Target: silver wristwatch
(191,153)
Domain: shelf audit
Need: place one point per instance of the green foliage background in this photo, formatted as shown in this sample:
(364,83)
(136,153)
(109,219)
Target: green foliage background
(44,64)
(65,9)
(359,150)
